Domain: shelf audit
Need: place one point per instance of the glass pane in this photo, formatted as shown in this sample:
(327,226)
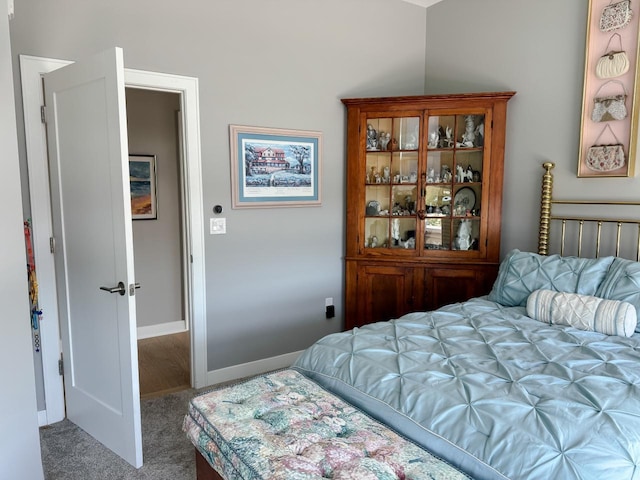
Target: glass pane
(470,163)
(403,233)
(439,167)
(405,167)
(466,201)
(406,131)
(470,131)
(378,168)
(404,200)
(437,234)
(467,233)
(437,200)
(378,133)
(440,132)
(376,232)
(377,198)
(453,182)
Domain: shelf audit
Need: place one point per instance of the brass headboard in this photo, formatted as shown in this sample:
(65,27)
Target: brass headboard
(620,226)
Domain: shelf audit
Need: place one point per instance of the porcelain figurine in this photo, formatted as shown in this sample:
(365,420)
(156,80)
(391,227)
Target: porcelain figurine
(372,138)
(384,140)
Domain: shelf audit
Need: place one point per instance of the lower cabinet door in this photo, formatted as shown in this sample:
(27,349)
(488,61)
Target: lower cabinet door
(379,292)
(385,292)
(444,286)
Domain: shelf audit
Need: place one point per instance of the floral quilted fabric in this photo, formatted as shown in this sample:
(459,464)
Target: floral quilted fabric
(283,426)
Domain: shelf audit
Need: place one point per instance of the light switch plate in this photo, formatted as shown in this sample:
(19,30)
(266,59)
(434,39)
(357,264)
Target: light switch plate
(218,226)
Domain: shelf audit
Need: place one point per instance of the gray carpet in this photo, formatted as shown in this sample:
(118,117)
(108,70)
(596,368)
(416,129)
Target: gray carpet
(68,453)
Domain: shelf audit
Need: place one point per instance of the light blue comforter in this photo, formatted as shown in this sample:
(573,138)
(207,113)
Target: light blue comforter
(494,392)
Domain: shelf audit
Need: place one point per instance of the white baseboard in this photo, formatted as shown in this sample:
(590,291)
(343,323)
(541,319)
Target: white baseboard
(42,418)
(251,368)
(162,329)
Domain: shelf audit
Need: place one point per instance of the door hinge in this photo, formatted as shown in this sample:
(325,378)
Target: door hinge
(43,114)
(52,245)
(61,367)
(191,258)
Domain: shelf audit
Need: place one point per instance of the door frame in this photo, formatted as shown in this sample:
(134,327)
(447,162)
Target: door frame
(32,68)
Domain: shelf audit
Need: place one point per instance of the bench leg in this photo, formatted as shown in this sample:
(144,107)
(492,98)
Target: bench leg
(204,471)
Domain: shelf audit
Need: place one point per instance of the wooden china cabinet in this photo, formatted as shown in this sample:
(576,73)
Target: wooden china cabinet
(424,201)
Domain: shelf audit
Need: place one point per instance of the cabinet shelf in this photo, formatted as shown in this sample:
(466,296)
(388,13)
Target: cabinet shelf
(407,184)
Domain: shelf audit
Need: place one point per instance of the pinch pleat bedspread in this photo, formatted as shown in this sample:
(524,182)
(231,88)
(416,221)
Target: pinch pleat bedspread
(493,391)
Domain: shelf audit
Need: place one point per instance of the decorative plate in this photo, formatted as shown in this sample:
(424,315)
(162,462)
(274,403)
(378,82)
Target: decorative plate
(465,197)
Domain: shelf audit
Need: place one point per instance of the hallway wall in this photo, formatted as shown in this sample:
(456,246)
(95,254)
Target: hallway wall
(153,130)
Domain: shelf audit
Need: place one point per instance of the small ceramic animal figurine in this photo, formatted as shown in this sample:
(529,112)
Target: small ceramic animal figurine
(384,140)
(463,175)
(469,174)
(434,138)
(469,134)
(372,138)
(449,136)
(445,174)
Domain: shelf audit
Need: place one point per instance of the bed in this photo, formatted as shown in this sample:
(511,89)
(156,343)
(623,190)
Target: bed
(540,379)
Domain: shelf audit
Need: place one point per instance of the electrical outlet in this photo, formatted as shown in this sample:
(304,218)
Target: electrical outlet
(329,309)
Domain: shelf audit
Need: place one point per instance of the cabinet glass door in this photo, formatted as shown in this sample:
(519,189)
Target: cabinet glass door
(453,182)
(391,182)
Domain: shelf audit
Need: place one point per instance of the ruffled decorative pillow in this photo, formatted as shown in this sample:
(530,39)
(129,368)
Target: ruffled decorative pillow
(584,312)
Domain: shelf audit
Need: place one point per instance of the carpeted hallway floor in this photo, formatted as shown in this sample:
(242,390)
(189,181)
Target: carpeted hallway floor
(68,453)
(164,364)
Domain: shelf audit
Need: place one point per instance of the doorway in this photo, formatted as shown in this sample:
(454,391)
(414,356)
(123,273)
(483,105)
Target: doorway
(154,137)
(52,407)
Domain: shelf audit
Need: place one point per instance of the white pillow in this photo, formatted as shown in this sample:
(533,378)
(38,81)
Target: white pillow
(611,317)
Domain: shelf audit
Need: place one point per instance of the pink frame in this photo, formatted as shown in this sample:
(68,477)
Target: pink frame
(623,130)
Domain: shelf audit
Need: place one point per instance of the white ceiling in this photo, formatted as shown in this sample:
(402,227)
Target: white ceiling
(423,3)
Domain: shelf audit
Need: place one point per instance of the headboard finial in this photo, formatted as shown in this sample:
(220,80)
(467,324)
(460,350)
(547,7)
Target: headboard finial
(545,209)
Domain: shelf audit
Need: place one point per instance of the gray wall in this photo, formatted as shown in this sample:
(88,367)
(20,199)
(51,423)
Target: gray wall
(19,440)
(271,63)
(536,48)
(153,130)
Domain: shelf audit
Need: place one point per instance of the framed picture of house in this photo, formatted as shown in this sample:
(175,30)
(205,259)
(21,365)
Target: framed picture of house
(608,134)
(273,167)
(142,181)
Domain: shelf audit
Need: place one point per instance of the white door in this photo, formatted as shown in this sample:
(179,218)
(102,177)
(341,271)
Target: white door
(88,155)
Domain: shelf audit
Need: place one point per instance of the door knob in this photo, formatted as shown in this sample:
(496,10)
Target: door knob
(119,289)
(132,288)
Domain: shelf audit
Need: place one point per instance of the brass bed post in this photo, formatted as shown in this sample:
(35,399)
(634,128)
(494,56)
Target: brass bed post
(545,209)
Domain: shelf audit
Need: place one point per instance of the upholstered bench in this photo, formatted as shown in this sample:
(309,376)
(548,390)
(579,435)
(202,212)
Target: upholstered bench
(283,426)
